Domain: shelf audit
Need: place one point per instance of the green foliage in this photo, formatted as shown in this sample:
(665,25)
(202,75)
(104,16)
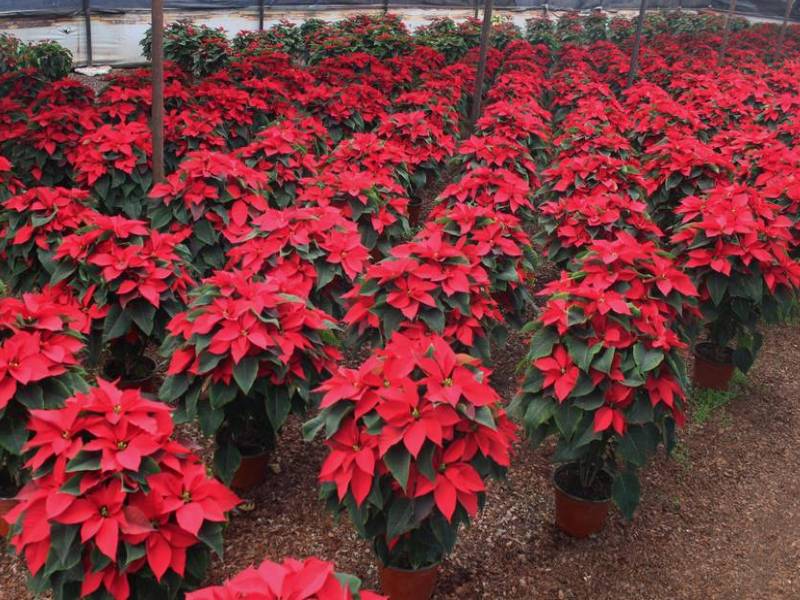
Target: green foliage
(197,49)
(52,60)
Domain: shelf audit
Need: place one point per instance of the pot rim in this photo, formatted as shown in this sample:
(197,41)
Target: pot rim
(573,496)
(708,359)
(402,570)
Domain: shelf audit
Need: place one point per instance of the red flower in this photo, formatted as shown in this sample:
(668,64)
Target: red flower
(559,372)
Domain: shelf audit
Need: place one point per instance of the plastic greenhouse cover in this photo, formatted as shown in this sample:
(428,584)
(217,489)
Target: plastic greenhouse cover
(117,26)
(44,8)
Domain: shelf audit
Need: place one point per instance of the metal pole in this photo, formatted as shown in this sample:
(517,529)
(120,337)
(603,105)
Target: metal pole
(87,22)
(637,42)
(726,32)
(476,6)
(157,110)
(261,15)
(486,29)
(385,6)
(782,34)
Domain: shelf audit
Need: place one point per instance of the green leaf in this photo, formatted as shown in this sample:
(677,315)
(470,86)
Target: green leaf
(13,435)
(116,324)
(210,418)
(398,460)
(567,418)
(245,373)
(278,405)
(542,343)
(626,492)
(313,426)
(425,461)
(717,285)
(143,313)
(433,318)
(220,394)
(400,517)
(132,554)
(84,461)
(604,361)
(227,459)
(638,443)
(174,387)
(211,535)
(538,412)
(743,359)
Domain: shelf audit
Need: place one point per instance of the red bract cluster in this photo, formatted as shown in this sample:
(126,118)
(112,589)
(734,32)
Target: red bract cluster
(34,223)
(137,274)
(310,579)
(114,501)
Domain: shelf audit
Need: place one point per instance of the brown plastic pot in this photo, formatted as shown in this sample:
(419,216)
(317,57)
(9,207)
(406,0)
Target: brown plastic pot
(709,373)
(6,504)
(577,516)
(252,471)
(408,584)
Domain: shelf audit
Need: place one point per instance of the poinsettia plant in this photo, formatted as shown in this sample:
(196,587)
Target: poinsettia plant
(413,434)
(502,244)
(680,166)
(309,579)
(374,200)
(316,248)
(114,162)
(116,507)
(570,222)
(431,283)
(735,245)
(40,350)
(245,354)
(213,194)
(604,372)
(287,151)
(137,275)
(33,224)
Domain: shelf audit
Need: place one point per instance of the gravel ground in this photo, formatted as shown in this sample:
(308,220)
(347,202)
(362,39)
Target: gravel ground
(720,521)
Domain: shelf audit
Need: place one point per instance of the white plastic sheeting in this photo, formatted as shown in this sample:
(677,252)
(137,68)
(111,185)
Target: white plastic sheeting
(115,37)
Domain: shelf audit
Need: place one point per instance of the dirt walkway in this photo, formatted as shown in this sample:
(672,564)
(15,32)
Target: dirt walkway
(721,521)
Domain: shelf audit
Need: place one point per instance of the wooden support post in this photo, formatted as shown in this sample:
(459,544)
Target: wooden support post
(782,34)
(637,43)
(87,23)
(726,32)
(157,68)
(486,29)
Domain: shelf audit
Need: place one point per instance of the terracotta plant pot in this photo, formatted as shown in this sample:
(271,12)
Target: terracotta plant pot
(407,584)
(709,372)
(252,471)
(6,504)
(576,516)
(147,382)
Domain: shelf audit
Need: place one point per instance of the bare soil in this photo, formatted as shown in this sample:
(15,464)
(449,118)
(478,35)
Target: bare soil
(721,520)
